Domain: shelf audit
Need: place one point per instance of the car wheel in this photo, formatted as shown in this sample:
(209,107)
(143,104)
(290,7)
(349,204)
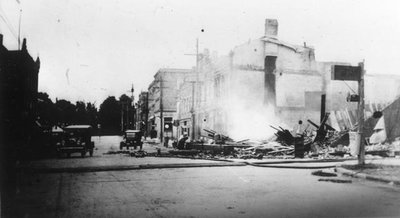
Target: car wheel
(68,154)
(83,153)
(91,152)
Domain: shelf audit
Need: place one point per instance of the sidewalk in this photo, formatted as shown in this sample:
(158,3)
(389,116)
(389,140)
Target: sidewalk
(116,163)
(386,170)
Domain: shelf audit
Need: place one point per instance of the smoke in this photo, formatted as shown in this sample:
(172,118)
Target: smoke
(247,115)
(248,122)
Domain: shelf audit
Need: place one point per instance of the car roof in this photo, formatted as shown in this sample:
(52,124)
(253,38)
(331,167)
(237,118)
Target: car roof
(131,130)
(78,127)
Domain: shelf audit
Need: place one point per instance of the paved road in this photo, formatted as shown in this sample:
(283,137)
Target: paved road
(203,192)
(245,191)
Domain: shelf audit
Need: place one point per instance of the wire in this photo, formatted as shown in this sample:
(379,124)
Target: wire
(349,87)
(9,27)
(6,21)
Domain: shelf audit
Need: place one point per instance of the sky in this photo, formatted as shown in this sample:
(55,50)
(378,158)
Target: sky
(93,49)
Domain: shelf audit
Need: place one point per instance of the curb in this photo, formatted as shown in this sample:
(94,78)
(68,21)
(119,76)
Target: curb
(351,173)
(292,167)
(124,167)
(274,164)
(302,161)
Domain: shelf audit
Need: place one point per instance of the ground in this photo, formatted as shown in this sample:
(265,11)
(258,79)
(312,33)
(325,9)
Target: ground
(241,191)
(390,172)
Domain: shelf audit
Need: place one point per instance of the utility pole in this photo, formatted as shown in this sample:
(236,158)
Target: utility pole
(127,116)
(354,73)
(361,106)
(122,116)
(197,87)
(132,123)
(161,111)
(195,91)
(192,111)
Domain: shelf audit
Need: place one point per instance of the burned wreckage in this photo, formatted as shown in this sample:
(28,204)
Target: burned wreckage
(311,140)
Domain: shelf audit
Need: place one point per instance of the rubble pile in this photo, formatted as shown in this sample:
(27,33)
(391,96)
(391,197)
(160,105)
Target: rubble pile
(320,142)
(217,137)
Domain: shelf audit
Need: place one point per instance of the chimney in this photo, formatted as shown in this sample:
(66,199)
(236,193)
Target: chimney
(271,28)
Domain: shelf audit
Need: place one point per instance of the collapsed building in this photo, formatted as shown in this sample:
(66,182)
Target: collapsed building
(268,81)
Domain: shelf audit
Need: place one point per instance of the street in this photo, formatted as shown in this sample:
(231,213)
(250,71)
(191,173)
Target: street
(244,191)
(199,109)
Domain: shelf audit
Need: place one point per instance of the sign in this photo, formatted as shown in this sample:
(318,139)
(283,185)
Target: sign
(341,72)
(353,98)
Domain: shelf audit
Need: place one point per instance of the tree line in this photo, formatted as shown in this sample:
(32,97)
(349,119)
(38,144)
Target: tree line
(112,116)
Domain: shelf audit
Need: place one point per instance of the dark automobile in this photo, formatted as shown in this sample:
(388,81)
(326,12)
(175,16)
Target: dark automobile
(132,138)
(76,139)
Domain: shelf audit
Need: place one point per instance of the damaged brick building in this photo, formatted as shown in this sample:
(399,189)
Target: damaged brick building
(268,81)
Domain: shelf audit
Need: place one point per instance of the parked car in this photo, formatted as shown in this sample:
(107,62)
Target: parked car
(132,138)
(77,138)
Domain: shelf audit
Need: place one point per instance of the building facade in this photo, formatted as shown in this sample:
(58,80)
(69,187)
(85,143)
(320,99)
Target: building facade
(162,97)
(19,88)
(270,82)
(18,99)
(142,112)
(261,82)
(186,107)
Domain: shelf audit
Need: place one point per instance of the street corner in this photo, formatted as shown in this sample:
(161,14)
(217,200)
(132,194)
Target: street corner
(383,173)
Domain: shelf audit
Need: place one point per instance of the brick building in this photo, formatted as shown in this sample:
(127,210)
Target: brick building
(18,97)
(186,106)
(19,88)
(162,97)
(267,81)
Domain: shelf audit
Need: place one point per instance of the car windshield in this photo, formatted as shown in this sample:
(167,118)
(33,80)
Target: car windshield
(130,134)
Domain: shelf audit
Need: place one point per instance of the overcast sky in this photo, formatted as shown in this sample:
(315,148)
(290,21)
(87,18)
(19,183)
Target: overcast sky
(92,49)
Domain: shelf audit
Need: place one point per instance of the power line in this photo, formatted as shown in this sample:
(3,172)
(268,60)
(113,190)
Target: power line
(9,27)
(7,22)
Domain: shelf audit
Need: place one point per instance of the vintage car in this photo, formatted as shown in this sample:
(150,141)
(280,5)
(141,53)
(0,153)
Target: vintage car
(132,138)
(76,139)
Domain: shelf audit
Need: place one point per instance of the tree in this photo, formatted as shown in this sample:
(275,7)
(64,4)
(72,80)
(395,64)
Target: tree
(91,114)
(65,112)
(127,111)
(45,109)
(109,115)
(80,113)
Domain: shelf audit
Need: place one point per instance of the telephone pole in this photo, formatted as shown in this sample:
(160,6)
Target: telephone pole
(161,111)
(355,73)
(132,120)
(122,116)
(195,91)
(361,106)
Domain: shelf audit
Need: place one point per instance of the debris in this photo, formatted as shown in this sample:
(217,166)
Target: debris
(139,153)
(184,152)
(323,174)
(217,137)
(318,142)
(335,180)
(284,136)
